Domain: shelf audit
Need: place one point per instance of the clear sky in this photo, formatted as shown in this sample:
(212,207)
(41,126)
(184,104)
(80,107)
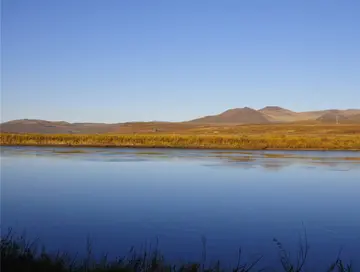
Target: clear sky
(140,60)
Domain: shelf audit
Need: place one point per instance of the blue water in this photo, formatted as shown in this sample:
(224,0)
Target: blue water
(119,198)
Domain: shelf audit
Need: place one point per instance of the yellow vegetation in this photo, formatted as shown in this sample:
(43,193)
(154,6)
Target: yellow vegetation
(265,141)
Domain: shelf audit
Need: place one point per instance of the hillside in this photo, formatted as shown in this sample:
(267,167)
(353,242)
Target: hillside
(48,127)
(278,114)
(355,117)
(60,127)
(275,114)
(229,118)
(235,116)
(332,117)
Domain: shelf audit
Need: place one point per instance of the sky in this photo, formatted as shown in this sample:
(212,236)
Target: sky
(139,60)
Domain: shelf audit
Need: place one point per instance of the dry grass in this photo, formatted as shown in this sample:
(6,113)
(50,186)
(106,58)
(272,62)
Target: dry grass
(18,254)
(241,141)
(301,129)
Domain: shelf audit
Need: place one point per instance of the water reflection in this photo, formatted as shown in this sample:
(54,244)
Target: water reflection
(267,160)
(123,197)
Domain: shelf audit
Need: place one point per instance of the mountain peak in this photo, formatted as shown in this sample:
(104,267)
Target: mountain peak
(273,108)
(244,115)
(238,110)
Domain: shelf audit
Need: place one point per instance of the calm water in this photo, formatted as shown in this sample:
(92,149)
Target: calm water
(135,197)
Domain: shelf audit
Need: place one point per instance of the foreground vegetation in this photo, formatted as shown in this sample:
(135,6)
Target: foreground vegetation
(19,255)
(240,141)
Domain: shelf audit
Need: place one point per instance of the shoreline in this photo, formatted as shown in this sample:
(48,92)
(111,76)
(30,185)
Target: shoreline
(175,147)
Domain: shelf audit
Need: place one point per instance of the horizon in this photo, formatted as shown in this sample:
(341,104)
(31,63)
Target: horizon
(166,121)
(125,61)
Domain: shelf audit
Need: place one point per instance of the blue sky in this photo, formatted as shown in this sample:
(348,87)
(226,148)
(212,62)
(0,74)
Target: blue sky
(129,60)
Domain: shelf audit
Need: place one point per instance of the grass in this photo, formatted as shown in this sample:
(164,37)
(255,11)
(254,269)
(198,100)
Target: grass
(300,129)
(19,255)
(240,141)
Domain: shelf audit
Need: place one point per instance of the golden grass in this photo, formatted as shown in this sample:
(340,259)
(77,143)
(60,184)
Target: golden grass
(265,141)
(305,129)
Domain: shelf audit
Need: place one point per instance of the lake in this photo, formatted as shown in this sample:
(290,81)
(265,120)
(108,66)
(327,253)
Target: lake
(180,199)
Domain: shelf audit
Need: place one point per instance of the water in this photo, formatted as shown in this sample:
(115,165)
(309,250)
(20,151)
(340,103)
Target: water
(119,198)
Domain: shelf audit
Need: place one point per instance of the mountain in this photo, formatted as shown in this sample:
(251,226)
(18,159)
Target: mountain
(55,127)
(275,114)
(351,112)
(267,115)
(355,117)
(278,114)
(235,116)
(48,127)
(332,117)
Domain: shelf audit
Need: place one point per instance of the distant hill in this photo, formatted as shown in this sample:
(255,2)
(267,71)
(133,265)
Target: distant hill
(332,117)
(267,115)
(275,114)
(355,117)
(278,114)
(235,116)
(313,115)
(55,127)
(49,127)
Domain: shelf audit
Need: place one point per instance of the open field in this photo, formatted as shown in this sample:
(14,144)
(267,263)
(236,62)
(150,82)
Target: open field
(299,128)
(246,137)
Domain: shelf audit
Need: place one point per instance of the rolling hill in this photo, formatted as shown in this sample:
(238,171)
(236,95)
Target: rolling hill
(355,117)
(278,114)
(332,117)
(275,114)
(48,127)
(55,127)
(237,116)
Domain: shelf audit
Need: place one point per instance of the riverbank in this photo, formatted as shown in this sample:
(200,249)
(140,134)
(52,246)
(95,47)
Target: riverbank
(241,142)
(19,255)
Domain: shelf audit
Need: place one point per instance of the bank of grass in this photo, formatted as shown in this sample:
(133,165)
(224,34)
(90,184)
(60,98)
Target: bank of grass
(240,141)
(21,256)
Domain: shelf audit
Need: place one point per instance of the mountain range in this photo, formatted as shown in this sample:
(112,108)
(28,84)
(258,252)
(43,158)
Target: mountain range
(237,116)
(274,114)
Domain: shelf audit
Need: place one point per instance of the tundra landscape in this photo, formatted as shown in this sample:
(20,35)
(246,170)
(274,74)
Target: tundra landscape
(180,136)
(243,128)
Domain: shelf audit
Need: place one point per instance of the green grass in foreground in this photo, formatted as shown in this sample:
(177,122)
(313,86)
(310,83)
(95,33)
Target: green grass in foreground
(20,256)
(265,141)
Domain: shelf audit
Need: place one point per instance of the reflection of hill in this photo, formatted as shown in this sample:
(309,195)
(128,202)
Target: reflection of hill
(277,162)
(272,161)
(238,159)
(273,166)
